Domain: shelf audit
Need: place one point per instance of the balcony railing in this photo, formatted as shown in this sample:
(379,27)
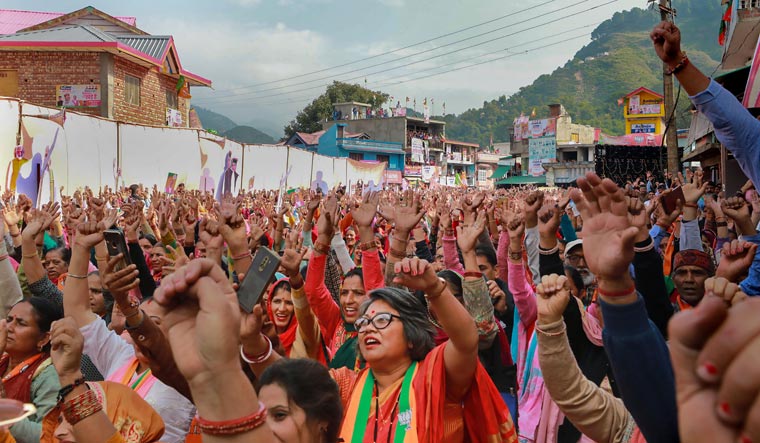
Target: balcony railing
(747,4)
(370,144)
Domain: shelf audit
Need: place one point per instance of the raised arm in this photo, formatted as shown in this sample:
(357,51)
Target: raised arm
(11,289)
(477,299)
(404,214)
(637,352)
(363,216)
(76,294)
(67,345)
(203,323)
(461,353)
(591,409)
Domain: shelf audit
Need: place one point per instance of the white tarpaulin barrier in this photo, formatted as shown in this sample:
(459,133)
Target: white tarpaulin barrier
(92,152)
(265,165)
(150,154)
(322,172)
(300,175)
(9,110)
(82,150)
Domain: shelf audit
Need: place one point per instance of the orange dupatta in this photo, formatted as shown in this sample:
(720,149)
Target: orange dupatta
(486,416)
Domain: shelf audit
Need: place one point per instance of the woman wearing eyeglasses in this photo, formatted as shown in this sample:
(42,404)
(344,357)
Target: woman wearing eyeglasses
(434,393)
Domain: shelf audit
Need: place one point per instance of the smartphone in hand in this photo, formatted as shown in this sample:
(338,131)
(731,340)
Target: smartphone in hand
(257,279)
(117,244)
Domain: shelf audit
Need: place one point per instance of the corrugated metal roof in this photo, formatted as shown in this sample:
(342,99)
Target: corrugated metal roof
(152,45)
(11,20)
(73,33)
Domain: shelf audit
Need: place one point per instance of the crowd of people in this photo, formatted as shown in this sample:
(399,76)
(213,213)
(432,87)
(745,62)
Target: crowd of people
(600,313)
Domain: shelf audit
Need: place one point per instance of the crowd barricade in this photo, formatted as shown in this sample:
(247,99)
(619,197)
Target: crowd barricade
(46,149)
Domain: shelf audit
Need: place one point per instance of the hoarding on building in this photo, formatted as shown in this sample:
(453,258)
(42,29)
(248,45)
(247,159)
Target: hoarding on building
(541,150)
(78,96)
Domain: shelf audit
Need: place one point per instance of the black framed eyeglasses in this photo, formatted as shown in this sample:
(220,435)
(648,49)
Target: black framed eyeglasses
(379,321)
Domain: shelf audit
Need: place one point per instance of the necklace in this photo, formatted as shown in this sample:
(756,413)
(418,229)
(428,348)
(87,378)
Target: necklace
(377,414)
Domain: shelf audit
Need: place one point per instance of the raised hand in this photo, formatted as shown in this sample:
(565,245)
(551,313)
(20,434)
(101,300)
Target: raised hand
(608,234)
(89,234)
(553,295)
(639,217)
(666,38)
(406,215)
(232,227)
(328,219)
(738,209)
(67,344)
(119,283)
(533,203)
(291,260)
(736,259)
(467,237)
(209,234)
(695,189)
(725,290)
(365,213)
(549,219)
(203,321)
(714,351)
(417,274)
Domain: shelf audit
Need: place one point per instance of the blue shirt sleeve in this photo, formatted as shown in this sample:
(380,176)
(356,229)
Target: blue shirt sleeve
(751,284)
(734,126)
(640,361)
(657,234)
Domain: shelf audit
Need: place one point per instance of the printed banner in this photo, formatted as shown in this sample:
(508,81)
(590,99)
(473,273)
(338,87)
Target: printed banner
(78,96)
(643,128)
(541,150)
(418,151)
(543,128)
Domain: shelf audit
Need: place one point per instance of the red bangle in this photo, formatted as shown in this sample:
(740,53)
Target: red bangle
(474,274)
(235,426)
(246,254)
(81,407)
(691,205)
(614,294)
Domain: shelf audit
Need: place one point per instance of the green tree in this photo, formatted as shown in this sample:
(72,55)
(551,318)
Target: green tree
(310,118)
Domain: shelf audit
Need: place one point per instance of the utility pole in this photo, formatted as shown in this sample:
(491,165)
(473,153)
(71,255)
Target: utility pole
(671,136)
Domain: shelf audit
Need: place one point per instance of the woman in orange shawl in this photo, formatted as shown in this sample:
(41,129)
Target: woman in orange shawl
(296,325)
(414,391)
(134,419)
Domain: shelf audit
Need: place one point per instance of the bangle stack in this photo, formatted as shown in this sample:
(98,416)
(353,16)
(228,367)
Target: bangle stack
(260,358)
(681,65)
(551,251)
(81,407)
(232,427)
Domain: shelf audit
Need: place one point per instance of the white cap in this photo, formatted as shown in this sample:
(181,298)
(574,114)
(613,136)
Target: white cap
(572,244)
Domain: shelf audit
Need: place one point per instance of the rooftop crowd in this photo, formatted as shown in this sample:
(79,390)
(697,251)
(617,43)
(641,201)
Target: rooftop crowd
(600,313)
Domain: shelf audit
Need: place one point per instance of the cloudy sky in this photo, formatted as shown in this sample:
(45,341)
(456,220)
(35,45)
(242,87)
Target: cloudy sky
(248,48)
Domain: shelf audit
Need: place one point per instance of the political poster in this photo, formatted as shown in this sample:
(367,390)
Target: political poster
(418,150)
(542,128)
(540,151)
(78,96)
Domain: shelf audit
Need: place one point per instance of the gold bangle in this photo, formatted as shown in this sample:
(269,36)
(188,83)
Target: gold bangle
(30,255)
(101,258)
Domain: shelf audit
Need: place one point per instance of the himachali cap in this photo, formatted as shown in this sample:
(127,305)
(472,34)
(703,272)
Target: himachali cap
(693,257)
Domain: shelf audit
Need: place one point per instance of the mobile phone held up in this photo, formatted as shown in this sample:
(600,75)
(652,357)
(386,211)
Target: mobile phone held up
(257,279)
(669,200)
(117,244)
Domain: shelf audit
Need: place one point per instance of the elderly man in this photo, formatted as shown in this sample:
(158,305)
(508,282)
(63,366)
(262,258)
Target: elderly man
(690,270)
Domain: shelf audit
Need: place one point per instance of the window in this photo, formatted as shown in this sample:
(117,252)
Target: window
(171,100)
(384,158)
(356,156)
(132,90)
